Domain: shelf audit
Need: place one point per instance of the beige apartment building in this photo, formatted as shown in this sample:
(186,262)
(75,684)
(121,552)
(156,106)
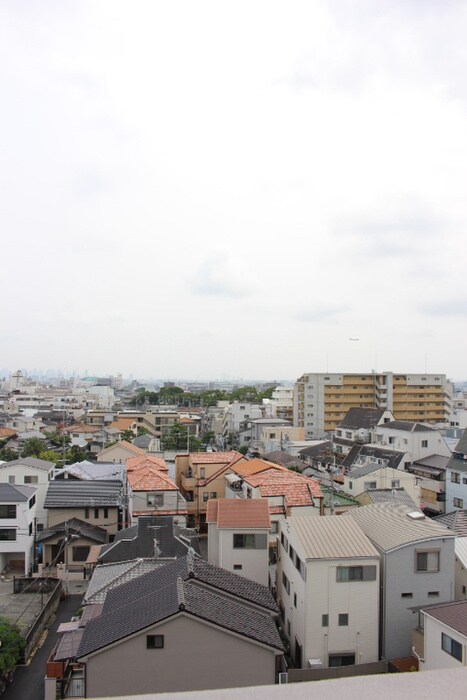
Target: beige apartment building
(322,400)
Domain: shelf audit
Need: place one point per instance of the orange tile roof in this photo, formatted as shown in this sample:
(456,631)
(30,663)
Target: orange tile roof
(143,461)
(237,513)
(122,423)
(215,457)
(80,428)
(211,510)
(255,466)
(150,480)
(128,446)
(297,489)
(7,433)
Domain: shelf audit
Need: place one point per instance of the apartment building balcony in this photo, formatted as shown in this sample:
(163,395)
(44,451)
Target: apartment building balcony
(187,480)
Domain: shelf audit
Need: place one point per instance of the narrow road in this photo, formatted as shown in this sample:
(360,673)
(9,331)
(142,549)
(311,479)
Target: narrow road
(28,681)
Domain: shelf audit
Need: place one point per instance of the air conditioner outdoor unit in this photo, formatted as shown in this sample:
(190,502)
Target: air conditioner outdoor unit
(315,663)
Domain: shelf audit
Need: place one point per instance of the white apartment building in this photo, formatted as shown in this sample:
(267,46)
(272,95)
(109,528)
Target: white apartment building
(30,471)
(328,590)
(17,518)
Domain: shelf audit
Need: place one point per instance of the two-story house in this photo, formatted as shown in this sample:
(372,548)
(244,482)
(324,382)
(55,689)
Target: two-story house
(356,427)
(370,477)
(30,471)
(440,639)
(456,477)
(328,591)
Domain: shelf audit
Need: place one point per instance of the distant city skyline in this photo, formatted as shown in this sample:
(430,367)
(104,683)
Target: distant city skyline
(201,189)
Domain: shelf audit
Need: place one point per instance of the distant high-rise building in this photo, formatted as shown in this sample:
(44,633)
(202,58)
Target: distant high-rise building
(321,400)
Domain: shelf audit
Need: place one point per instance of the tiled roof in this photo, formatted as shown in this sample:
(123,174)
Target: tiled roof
(138,541)
(231,513)
(256,466)
(434,461)
(389,526)
(453,615)
(131,615)
(71,493)
(458,461)
(298,490)
(392,457)
(122,423)
(93,470)
(197,570)
(127,445)
(150,479)
(74,526)
(215,457)
(396,495)
(456,521)
(108,576)
(80,428)
(330,537)
(366,417)
(7,433)
(143,461)
(407,426)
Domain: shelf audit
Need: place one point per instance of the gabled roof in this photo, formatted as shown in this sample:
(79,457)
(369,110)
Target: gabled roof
(330,537)
(74,526)
(390,527)
(71,493)
(121,618)
(9,493)
(357,472)
(362,418)
(455,521)
(7,433)
(108,576)
(93,470)
(297,489)
(231,513)
(215,457)
(320,449)
(138,540)
(453,615)
(126,445)
(29,462)
(396,495)
(256,466)
(145,460)
(150,479)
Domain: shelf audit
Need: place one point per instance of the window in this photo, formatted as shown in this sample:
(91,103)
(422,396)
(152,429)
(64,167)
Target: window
(325,620)
(337,660)
(284,542)
(433,594)
(427,562)
(343,619)
(213,494)
(32,502)
(237,567)
(249,541)
(292,553)
(106,513)
(286,583)
(11,479)
(370,485)
(295,600)
(30,529)
(86,513)
(406,595)
(395,484)
(96,512)
(8,511)
(274,528)
(155,641)
(356,573)
(31,479)
(156,500)
(455,477)
(80,553)
(450,646)
(205,497)
(424,443)
(202,472)
(7,534)
(458,502)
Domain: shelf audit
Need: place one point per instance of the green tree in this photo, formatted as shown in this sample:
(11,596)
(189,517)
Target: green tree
(128,435)
(7,454)
(51,456)
(11,648)
(33,447)
(243,449)
(76,454)
(58,439)
(208,437)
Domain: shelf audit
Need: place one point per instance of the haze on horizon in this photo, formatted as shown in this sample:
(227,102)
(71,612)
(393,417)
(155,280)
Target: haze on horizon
(207,189)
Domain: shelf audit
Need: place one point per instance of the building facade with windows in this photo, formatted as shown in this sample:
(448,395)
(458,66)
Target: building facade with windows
(440,639)
(321,401)
(30,471)
(456,477)
(17,528)
(328,590)
(417,568)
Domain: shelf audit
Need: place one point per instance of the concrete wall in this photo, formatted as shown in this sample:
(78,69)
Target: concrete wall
(195,656)
(60,515)
(435,656)
(20,472)
(254,562)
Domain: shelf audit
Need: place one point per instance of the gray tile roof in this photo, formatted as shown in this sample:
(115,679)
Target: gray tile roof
(356,418)
(457,461)
(75,526)
(357,472)
(392,457)
(408,426)
(108,576)
(93,470)
(389,526)
(138,541)
(197,570)
(71,493)
(455,521)
(127,615)
(30,462)
(15,494)
(433,461)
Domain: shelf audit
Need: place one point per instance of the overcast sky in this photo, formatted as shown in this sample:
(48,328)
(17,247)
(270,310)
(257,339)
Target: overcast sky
(233,189)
